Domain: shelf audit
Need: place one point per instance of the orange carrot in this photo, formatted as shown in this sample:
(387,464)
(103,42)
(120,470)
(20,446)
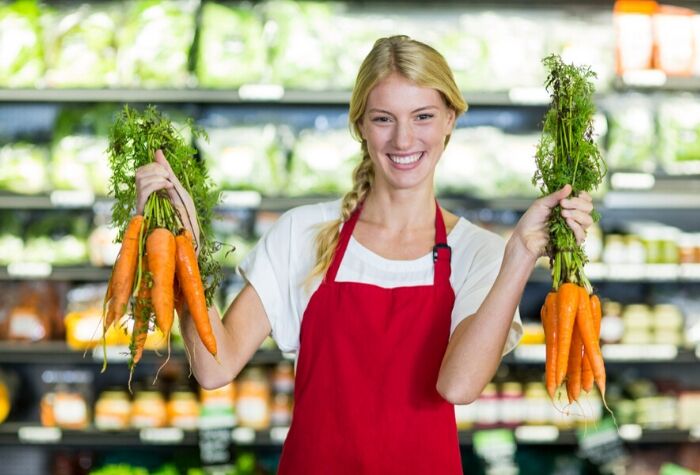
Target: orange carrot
(123,272)
(567,305)
(160,249)
(586,327)
(573,373)
(190,281)
(549,322)
(587,371)
(142,315)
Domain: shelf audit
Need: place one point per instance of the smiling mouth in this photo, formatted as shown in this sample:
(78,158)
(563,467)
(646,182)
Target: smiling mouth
(405,159)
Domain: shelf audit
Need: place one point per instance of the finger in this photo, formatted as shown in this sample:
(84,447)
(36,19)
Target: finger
(160,158)
(577,204)
(585,196)
(152,169)
(579,232)
(552,199)
(154,183)
(582,218)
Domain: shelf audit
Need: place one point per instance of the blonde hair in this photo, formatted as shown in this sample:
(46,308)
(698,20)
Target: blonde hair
(413,60)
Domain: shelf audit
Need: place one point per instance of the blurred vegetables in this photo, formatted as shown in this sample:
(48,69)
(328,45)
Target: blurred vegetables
(23,168)
(21,55)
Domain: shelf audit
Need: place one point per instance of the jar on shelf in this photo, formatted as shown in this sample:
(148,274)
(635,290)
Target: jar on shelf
(283,378)
(635,250)
(612,328)
(614,251)
(539,407)
(488,404)
(183,409)
(113,410)
(253,399)
(281,410)
(512,404)
(148,410)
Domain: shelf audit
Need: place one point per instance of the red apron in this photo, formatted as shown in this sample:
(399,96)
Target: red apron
(365,400)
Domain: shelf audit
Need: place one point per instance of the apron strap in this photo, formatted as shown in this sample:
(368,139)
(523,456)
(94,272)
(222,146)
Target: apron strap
(345,234)
(442,253)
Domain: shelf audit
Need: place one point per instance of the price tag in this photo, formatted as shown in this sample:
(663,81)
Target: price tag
(630,432)
(261,92)
(662,272)
(596,270)
(530,353)
(112,353)
(690,272)
(214,445)
(29,269)
(536,434)
(529,95)
(241,199)
(161,435)
(694,433)
(72,198)
(627,272)
(647,78)
(39,435)
(243,435)
(279,434)
(639,352)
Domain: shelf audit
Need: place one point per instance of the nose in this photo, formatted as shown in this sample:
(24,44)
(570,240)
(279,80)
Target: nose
(403,135)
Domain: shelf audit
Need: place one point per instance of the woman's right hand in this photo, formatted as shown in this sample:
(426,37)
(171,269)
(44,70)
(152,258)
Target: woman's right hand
(159,176)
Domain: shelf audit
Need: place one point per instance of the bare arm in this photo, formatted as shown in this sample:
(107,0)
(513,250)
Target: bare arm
(244,327)
(476,346)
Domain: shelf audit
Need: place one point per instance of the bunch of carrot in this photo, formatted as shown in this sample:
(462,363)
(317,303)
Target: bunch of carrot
(160,265)
(571,321)
(153,262)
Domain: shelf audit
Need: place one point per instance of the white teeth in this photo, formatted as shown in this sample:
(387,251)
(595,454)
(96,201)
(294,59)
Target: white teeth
(407,159)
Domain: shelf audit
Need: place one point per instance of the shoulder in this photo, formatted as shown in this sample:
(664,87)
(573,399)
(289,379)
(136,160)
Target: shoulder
(307,217)
(472,242)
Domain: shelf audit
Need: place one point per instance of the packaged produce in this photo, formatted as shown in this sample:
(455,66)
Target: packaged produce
(631,138)
(244,157)
(673,40)
(22,63)
(24,168)
(113,410)
(79,45)
(322,161)
(217,407)
(232,49)
(634,34)
(65,402)
(33,312)
(679,135)
(154,42)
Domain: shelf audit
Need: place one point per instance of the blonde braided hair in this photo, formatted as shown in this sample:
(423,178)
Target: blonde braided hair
(414,60)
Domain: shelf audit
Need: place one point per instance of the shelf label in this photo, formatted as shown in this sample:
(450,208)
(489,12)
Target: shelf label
(39,435)
(662,271)
(537,433)
(596,270)
(214,445)
(241,199)
(529,95)
(243,435)
(261,92)
(645,78)
(632,181)
(530,353)
(279,434)
(639,352)
(113,353)
(161,435)
(694,433)
(72,198)
(602,445)
(627,271)
(29,269)
(630,432)
(494,445)
(690,271)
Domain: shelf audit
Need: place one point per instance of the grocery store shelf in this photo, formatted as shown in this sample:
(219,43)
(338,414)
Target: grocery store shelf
(248,94)
(55,352)
(14,434)
(599,272)
(22,271)
(656,80)
(613,354)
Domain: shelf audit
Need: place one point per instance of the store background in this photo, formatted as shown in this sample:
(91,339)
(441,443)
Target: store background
(269,81)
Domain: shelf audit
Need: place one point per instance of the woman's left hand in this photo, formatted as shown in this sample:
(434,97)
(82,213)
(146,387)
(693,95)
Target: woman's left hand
(532,230)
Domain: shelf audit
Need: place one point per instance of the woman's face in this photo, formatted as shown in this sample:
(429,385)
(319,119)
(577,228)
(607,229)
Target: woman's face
(405,126)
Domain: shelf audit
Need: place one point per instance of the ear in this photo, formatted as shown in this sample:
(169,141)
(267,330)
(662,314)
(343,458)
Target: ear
(450,124)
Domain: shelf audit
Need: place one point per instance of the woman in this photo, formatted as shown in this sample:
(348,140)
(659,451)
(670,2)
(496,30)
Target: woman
(398,309)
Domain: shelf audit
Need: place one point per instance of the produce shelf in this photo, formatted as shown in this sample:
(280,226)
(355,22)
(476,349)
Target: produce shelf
(613,354)
(58,352)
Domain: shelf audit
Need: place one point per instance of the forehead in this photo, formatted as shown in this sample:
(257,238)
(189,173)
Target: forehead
(396,92)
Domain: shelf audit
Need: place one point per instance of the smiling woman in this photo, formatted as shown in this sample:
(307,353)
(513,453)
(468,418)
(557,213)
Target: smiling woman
(397,308)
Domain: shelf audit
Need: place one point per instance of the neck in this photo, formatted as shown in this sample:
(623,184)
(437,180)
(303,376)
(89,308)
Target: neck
(400,209)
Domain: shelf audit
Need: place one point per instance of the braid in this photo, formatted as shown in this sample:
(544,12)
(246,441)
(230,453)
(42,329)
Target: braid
(329,233)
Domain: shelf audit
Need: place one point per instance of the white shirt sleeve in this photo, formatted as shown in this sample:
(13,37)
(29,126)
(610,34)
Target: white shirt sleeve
(480,277)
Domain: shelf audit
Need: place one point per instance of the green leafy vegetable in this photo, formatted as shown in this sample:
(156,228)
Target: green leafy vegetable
(133,140)
(567,154)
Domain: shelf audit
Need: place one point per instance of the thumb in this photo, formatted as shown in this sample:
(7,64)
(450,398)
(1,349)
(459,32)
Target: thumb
(552,199)
(160,158)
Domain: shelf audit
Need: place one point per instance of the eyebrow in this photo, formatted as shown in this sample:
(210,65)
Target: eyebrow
(412,112)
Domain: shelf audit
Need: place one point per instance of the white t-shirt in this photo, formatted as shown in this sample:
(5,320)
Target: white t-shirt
(279,263)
